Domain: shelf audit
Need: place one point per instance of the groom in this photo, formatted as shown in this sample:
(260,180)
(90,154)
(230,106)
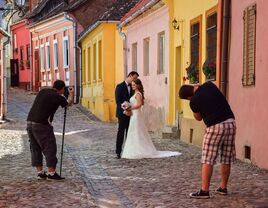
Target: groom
(123,92)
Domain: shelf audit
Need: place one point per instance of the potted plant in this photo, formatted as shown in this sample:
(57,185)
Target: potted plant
(209,69)
(27,63)
(192,73)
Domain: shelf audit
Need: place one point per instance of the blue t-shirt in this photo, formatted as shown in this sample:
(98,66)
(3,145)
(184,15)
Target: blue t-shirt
(211,104)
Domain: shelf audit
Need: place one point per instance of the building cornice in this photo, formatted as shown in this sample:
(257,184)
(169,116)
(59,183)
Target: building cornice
(94,26)
(55,20)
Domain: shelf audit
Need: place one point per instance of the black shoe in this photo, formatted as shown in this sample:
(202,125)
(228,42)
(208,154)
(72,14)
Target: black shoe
(42,176)
(55,177)
(200,194)
(118,156)
(221,191)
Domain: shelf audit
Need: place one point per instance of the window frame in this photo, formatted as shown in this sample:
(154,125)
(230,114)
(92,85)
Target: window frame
(146,56)
(248,81)
(196,20)
(161,64)
(42,57)
(55,54)
(48,56)
(66,52)
(134,56)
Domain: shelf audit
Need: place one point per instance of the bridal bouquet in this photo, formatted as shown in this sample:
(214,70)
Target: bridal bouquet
(125,105)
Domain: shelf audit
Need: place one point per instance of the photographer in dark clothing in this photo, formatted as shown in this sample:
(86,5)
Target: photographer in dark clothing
(40,131)
(209,104)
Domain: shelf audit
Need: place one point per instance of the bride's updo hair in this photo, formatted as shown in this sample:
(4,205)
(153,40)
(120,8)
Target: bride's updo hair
(140,87)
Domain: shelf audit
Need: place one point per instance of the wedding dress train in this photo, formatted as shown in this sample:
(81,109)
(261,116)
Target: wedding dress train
(138,143)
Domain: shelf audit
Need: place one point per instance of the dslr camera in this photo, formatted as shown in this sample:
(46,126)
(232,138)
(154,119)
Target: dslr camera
(66,92)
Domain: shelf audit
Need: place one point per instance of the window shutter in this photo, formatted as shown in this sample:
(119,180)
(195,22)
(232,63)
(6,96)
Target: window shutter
(249,46)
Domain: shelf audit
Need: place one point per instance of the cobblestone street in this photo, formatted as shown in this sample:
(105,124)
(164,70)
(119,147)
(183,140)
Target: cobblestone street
(96,178)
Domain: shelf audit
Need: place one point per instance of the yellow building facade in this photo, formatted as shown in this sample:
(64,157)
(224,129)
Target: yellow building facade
(102,67)
(189,19)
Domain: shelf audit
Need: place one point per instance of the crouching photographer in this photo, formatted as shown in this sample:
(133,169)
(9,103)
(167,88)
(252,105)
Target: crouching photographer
(40,131)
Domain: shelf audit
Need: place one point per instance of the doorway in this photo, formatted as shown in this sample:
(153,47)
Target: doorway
(14,64)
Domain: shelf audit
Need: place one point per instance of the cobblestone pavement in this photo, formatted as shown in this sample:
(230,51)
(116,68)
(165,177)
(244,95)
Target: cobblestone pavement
(95,178)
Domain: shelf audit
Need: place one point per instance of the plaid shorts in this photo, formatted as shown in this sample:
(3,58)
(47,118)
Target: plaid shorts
(219,139)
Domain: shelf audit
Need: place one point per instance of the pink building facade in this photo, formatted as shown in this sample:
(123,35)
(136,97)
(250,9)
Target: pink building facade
(147,41)
(248,79)
(20,63)
(53,51)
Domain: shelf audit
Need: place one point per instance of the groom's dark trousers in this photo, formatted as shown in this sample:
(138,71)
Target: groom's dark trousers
(122,132)
(121,95)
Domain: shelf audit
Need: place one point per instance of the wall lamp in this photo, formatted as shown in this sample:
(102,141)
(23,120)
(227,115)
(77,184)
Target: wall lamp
(175,24)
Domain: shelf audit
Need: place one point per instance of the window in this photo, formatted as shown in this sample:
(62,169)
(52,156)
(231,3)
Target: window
(65,52)
(134,57)
(94,61)
(84,66)
(55,54)
(42,55)
(28,51)
(89,64)
(161,53)
(15,41)
(146,59)
(47,56)
(21,53)
(195,53)
(249,46)
(100,59)
(211,39)
(21,57)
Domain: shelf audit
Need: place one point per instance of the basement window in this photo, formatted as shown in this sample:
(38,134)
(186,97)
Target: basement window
(247,152)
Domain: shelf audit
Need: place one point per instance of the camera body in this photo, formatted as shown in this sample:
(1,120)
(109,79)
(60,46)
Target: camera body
(66,92)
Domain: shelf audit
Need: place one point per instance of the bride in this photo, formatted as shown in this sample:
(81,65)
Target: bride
(138,142)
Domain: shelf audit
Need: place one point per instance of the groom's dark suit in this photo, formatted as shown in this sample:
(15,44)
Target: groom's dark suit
(121,94)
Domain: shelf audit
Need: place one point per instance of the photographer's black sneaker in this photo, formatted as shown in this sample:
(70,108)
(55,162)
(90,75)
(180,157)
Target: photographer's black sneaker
(221,191)
(42,176)
(55,177)
(200,195)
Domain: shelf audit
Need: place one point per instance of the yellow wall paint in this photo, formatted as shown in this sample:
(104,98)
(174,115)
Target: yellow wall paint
(184,11)
(119,60)
(98,88)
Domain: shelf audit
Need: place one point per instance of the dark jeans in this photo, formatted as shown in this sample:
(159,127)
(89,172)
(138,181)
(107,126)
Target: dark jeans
(122,131)
(42,140)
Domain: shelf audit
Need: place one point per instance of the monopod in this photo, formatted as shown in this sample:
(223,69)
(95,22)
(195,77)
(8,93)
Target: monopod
(63,133)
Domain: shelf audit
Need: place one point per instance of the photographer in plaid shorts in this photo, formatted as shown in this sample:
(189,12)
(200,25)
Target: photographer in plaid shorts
(209,104)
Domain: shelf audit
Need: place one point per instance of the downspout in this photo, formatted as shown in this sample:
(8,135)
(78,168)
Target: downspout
(225,46)
(80,77)
(67,17)
(123,35)
(31,64)
(4,82)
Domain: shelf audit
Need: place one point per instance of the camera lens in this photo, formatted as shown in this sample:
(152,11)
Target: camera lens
(66,92)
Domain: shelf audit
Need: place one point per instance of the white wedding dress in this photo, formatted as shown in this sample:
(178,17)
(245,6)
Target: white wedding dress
(138,143)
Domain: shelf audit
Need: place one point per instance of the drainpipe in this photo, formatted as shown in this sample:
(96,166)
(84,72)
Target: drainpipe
(123,35)
(225,45)
(67,17)
(80,77)
(31,64)
(4,82)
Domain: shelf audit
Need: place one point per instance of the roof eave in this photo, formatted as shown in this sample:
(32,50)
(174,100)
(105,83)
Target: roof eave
(138,12)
